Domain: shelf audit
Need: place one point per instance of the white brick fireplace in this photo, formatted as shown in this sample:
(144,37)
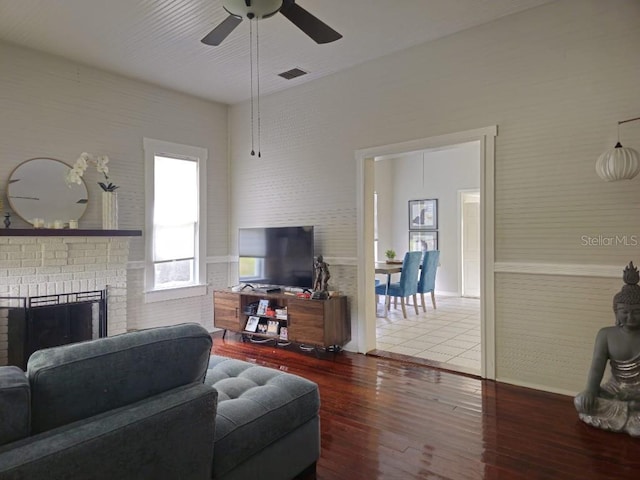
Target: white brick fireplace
(32,266)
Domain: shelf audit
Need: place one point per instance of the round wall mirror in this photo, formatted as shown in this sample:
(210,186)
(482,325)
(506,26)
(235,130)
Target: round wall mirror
(38,189)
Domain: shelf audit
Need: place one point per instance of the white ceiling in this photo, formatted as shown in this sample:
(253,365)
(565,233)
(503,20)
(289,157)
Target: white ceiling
(158,41)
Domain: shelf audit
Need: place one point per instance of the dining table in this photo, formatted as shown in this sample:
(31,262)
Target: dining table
(388,268)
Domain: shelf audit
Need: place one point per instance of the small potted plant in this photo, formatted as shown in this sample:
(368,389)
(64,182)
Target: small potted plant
(390,254)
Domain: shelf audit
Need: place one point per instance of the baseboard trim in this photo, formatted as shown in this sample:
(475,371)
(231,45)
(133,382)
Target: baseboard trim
(535,386)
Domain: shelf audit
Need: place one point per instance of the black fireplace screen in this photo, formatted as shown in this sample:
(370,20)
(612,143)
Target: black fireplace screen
(51,320)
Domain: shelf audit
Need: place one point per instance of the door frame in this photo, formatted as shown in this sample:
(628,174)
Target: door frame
(365,324)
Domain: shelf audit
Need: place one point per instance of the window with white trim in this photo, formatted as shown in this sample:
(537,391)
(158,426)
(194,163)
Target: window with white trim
(175,180)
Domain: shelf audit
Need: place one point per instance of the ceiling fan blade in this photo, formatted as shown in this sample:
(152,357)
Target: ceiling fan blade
(222,31)
(319,31)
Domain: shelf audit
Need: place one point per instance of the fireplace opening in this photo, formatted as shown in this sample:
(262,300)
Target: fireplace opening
(48,321)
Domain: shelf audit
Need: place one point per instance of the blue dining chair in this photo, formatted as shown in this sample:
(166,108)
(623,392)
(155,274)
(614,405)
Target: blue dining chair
(427,281)
(407,286)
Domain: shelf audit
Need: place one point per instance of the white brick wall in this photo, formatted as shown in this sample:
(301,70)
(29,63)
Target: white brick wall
(34,266)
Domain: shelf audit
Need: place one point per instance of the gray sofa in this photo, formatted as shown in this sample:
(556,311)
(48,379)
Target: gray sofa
(153,404)
(129,406)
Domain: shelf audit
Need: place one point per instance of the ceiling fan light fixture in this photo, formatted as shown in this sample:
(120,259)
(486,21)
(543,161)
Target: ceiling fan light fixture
(312,26)
(252,8)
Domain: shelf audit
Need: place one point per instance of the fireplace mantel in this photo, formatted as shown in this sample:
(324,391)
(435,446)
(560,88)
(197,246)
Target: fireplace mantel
(66,232)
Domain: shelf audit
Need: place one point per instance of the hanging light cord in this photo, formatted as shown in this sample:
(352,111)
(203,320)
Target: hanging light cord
(251,70)
(256,99)
(620,123)
(630,120)
(258,79)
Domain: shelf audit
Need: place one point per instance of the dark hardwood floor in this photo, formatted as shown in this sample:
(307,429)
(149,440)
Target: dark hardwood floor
(383,418)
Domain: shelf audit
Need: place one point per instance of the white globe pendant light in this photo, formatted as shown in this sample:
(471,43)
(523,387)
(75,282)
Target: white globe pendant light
(619,163)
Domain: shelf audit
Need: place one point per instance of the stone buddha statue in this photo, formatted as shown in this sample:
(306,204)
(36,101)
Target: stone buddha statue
(615,404)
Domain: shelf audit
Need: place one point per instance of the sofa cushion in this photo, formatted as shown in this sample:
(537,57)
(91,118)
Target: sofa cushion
(77,381)
(14,405)
(256,407)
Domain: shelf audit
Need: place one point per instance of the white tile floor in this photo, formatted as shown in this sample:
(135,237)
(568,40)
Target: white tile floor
(450,334)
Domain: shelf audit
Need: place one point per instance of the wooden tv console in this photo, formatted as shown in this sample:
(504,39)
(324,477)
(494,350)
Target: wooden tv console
(321,323)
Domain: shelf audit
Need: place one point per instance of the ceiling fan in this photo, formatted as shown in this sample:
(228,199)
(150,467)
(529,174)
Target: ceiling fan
(319,31)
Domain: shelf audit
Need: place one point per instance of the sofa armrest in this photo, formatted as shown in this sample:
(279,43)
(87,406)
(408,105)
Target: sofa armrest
(169,435)
(15,407)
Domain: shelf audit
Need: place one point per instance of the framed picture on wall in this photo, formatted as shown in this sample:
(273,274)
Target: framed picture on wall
(422,241)
(423,214)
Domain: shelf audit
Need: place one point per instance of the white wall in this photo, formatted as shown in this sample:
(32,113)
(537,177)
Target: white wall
(443,174)
(51,107)
(555,79)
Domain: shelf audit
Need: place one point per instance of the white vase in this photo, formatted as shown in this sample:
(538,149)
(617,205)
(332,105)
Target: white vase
(109,211)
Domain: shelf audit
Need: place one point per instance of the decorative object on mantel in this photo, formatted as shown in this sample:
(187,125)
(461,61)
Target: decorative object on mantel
(7,220)
(38,193)
(615,405)
(110,210)
(619,163)
(109,194)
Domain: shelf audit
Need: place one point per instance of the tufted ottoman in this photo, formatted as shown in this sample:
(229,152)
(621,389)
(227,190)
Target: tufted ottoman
(267,424)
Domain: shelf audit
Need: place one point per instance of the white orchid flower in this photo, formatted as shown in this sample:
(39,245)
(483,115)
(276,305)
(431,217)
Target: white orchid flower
(82,161)
(77,171)
(73,176)
(101,164)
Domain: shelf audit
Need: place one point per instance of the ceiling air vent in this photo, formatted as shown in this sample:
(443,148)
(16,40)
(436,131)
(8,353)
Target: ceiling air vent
(293,73)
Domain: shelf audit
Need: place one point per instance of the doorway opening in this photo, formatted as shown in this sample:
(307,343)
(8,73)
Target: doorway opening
(443,330)
(366,305)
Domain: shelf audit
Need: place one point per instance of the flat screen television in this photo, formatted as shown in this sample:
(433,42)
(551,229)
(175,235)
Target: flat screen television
(281,256)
